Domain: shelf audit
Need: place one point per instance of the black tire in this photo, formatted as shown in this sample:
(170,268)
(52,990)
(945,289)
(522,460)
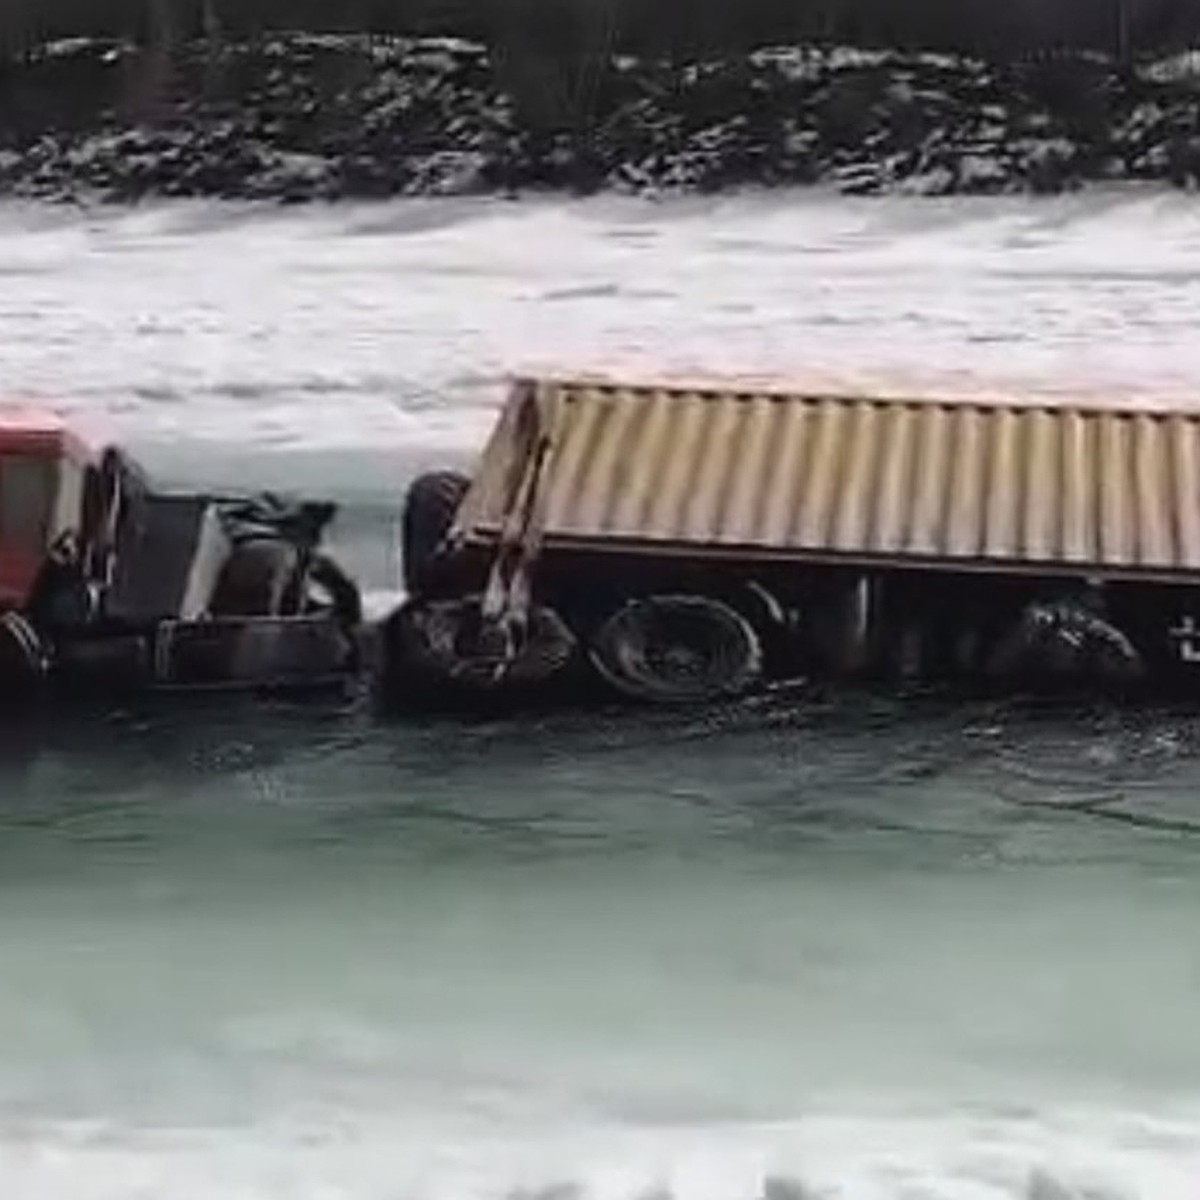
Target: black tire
(442,640)
(429,509)
(255,580)
(59,598)
(23,662)
(344,595)
(1099,653)
(678,650)
(772,623)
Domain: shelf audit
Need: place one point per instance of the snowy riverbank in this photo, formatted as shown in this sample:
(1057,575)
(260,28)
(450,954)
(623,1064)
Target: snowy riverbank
(300,118)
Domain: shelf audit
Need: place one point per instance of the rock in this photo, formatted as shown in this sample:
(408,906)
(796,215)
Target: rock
(1180,68)
(449,173)
(1182,156)
(981,173)
(939,181)
(860,179)
(780,1188)
(291,178)
(1049,165)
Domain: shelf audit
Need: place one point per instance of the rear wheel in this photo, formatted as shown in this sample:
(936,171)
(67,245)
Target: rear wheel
(22,659)
(429,511)
(772,623)
(448,641)
(677,650)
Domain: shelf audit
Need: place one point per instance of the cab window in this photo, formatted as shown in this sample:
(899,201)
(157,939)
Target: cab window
(27,493)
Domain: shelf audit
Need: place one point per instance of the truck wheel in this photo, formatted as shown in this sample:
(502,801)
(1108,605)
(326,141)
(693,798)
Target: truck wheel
(446,640)
(22,658)
(677,650)
(429,509)
(771,622)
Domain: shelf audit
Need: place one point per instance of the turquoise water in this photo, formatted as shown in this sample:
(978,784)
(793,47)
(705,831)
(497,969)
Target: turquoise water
(313,947)
(802,947)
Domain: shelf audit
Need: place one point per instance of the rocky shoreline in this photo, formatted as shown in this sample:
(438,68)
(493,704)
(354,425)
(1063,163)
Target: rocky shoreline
(301,118)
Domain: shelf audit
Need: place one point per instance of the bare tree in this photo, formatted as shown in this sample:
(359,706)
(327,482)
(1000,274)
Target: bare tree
(1122,32)
(214,46)
(557,32)
(553,58)
(16,27)
(152,75)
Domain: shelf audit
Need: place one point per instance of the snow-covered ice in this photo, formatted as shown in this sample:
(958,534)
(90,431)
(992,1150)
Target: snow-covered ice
(379,329)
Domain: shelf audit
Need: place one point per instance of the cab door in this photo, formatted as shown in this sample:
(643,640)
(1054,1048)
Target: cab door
(28,492)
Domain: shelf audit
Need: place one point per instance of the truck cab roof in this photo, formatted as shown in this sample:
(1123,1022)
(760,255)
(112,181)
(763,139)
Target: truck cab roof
(41,432)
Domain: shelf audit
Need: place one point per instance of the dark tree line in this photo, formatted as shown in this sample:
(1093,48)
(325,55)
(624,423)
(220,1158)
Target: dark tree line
(571,27)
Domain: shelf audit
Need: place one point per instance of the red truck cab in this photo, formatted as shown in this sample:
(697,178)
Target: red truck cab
(106,584)
(44,471)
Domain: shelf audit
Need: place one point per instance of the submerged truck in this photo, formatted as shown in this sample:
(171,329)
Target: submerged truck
(107,585)
(682,543)
(665,544)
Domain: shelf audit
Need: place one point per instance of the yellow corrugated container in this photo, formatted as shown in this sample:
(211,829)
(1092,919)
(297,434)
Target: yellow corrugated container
(718,471)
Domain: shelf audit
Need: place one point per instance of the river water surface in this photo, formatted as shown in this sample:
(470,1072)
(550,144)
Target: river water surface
(844,948)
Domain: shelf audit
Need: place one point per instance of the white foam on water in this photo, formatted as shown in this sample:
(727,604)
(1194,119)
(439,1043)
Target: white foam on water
(1065,1156)
(379,603)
